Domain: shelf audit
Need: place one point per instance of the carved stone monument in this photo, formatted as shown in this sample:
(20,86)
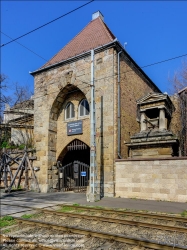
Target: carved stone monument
(155,138)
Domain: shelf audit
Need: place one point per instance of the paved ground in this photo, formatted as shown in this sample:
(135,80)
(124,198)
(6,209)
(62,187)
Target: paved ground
(33,199)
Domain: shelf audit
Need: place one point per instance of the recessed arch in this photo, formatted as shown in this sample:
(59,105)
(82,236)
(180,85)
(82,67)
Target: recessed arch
(74,168)
(54,114)
(75,150)
(62,95)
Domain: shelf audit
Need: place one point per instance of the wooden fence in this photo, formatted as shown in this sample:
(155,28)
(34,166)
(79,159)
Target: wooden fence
(17,171)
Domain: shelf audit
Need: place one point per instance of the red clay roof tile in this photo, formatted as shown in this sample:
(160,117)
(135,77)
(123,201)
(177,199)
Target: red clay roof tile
(95,34)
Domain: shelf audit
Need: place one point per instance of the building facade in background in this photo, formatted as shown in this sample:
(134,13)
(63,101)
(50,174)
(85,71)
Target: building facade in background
(19,121)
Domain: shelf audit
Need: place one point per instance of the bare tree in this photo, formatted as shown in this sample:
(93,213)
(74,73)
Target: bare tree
(17,123)
(179,80)
(21,94)
(22,123)
(3,97)
(179,85)
(183,109)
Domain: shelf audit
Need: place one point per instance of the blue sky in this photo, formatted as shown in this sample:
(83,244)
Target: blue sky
(154,31)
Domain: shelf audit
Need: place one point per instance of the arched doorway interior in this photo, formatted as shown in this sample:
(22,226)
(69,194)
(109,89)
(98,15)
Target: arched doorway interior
(74,167)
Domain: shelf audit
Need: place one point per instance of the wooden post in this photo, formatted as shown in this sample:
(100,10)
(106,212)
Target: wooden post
(26,175)
(34,176)
(19,180)
(9,172)
(5,173)
(1,168)
(19,167)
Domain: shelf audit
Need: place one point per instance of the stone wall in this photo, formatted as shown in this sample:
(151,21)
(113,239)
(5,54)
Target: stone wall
(71,82)
(23,135)
(161,179)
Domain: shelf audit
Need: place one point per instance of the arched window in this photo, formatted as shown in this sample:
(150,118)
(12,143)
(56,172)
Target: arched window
(84,108)
(69,111)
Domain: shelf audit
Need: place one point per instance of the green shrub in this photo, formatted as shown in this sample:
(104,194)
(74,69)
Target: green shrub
(22,146)
(6,221)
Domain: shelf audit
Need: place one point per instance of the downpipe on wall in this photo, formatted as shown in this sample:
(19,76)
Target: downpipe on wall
(119,108)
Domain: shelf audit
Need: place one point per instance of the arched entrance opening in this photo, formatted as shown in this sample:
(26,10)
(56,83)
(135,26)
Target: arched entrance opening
(56,109)
(74,167)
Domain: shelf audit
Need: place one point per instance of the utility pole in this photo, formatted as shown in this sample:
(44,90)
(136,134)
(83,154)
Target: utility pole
(93,195)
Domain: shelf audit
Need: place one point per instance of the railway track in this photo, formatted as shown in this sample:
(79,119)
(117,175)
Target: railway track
(114,231)
(15,242)
(127,213)
(121,217)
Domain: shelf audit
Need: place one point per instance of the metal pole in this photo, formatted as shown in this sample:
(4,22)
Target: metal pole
(93,195)
(119,108)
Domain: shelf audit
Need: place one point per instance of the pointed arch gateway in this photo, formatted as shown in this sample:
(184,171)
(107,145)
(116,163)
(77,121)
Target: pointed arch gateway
(74,167)
(55,145)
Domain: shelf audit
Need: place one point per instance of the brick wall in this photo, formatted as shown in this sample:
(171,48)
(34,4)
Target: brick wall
(133,87)
(161,179)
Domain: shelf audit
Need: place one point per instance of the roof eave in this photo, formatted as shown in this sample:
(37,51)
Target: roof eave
(86,53)
(102,47)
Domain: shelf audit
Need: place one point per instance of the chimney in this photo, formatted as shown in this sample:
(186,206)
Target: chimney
(97,14)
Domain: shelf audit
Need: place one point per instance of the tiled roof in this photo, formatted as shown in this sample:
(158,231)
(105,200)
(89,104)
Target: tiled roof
(95,34)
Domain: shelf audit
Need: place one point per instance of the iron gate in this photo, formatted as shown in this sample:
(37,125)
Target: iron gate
(74,177)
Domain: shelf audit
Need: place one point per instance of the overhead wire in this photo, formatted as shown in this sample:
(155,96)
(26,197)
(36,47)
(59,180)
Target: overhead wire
(47,23)
(83,82)
(14,40)
(24,46)
(148,65)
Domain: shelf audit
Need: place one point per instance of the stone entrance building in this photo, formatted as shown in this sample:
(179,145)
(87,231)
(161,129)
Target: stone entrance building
(62,100)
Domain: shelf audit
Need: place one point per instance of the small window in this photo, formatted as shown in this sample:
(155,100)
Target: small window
(69,111)
(84,108)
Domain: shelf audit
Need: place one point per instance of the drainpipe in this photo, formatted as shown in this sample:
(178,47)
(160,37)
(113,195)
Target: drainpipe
(119,108)
(94,195)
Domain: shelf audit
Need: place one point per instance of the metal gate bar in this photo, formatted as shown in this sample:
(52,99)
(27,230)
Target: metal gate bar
(74,177)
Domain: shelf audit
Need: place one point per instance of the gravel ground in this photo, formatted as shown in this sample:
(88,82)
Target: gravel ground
(68,241)
(134,218)
(62,240)
(127,230)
